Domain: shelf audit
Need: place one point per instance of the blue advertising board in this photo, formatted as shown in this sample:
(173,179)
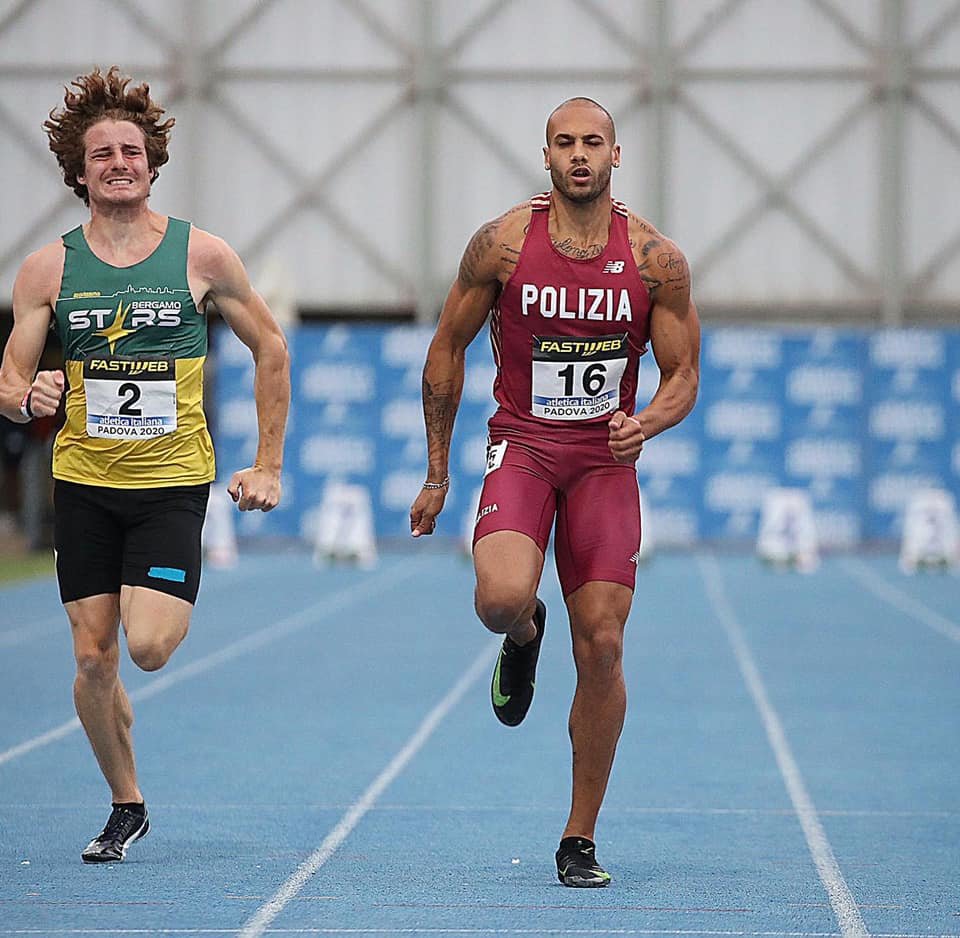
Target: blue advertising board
(356,417)
(858,418)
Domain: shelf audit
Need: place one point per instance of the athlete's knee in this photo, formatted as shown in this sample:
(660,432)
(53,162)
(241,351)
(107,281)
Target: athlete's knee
(94,624)
(599,651)
(150,649)
(501,609)
(97,662)
(147,652)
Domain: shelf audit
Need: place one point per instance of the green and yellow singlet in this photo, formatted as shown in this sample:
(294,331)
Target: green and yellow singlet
(134,345)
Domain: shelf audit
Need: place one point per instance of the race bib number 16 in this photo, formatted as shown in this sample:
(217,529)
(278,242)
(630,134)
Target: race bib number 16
(130,398)
(577,378)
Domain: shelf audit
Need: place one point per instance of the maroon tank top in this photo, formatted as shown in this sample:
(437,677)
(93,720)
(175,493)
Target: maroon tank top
(568,334)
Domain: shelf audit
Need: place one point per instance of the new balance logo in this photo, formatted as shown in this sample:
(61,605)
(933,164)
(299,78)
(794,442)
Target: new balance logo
(613,267)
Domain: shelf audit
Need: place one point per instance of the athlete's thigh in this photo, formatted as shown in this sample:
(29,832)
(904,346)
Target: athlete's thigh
(88,538)
(508,567)
(598,529)
(150,615)
(162,549)
(518,495)
(516,511)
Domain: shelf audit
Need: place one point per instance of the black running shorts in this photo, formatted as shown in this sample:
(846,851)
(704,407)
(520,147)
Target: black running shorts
(106,538)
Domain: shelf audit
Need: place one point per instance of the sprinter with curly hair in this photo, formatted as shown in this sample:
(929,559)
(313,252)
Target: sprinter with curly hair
(128,293)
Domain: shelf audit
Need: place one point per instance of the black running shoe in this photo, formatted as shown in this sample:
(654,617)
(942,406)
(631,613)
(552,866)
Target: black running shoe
(511,689)
(123,828)
(577,865)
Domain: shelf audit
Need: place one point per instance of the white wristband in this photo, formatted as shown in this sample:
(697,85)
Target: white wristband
(25,405)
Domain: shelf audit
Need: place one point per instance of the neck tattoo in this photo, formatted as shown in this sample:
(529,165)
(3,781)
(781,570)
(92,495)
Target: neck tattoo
(569,249)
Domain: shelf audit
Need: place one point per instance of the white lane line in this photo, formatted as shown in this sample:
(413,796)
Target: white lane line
(844,905)
(900,600)
(691,932)
(262,918)
(264,636)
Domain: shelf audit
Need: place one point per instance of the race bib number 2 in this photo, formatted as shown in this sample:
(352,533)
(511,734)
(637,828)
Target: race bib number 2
(130,398)
(577,378)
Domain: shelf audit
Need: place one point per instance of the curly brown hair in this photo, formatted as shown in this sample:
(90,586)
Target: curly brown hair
(104,97)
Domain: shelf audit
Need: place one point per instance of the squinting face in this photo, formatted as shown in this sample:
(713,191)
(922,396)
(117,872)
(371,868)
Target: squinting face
(115,169)
(580,152)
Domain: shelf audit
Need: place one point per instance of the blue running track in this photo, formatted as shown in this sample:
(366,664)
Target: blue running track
(320,758)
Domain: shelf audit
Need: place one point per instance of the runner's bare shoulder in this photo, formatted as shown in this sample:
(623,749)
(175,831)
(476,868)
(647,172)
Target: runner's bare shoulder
(39,277)
(494,250)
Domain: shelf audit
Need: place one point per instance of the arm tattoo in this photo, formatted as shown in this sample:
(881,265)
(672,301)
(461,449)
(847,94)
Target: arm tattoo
(509,255)
(677,271)
(672,262)
(638,222)
(480,243)
(670,270)
(647,277)
(651,278)
(439,412)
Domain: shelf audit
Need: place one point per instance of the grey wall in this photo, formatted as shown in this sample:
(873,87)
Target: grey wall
(804,153)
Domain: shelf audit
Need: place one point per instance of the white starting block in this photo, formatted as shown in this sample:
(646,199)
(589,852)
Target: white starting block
(344,526)
(931,533)
(219,537)
(788,533)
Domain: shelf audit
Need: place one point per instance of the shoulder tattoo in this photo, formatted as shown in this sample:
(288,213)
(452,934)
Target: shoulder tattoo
(473,257)
(664,270)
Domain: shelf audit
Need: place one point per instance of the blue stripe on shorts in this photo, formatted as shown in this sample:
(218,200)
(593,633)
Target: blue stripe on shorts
(168,573)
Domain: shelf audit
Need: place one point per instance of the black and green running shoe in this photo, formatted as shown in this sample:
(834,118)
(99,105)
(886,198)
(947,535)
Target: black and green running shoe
(511,690)
(577,865)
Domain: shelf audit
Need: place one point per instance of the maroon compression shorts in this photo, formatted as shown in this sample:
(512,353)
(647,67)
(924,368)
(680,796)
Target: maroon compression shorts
(530,482)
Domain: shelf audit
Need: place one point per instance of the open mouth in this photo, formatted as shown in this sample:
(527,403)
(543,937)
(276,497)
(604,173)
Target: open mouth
(581,172)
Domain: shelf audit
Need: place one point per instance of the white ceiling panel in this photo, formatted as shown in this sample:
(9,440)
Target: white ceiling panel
(255,194)
(927,18)
(841,192)
(363,141)
(537,37)
(49,32)
(774,257)
(805,113)
(943,48)
(314,34)
(942,286)
(327,270)
(931,173)
(781,34)
(708,192)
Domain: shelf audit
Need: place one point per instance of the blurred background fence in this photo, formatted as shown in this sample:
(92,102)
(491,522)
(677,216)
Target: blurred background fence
(803,153)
